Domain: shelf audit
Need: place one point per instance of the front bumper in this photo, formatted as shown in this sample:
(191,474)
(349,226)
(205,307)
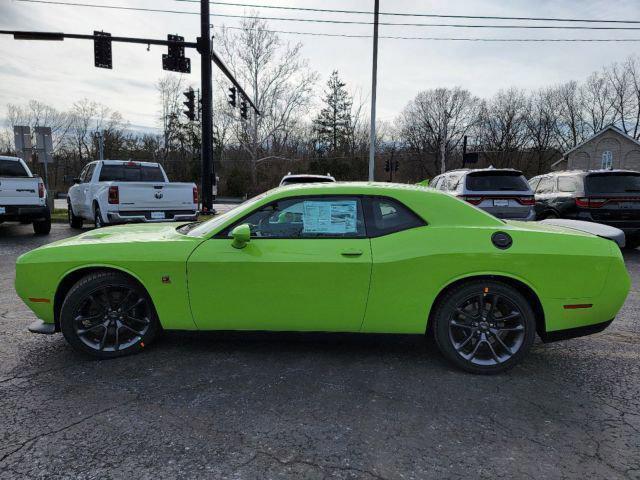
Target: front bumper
(145,217)
(40,327)
(19,213)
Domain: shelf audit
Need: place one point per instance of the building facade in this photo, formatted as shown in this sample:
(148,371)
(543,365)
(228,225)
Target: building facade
(610,148)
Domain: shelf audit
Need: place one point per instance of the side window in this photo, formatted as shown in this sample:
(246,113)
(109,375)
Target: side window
(533,183)
(545,185)
(453,181)
(443,183)
(435,182)
(307,217)
(388,216)
(567,184)
(83,173)
(90,171)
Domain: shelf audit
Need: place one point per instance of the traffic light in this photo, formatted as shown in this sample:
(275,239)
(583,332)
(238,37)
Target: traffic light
(243,109)
(102,49)
(387,165)
(175,60)
(190,112)
(232,96)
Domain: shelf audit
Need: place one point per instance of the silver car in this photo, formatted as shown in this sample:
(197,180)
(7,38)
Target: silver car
(502,192)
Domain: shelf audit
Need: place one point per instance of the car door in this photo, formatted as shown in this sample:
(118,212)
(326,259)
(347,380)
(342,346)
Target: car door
(76,193)
(306,267)
(87,193)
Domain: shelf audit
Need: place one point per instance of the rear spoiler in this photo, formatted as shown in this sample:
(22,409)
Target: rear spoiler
(598,229)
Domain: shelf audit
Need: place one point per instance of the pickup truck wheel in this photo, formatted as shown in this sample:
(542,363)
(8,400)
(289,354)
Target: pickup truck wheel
(74,222)
(107,314)
(97,218)
(484,327)
(43,227)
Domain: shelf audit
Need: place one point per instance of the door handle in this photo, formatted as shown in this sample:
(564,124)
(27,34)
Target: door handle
(351,252)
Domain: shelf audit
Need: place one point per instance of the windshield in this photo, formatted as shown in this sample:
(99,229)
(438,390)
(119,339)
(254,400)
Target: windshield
(613,183)
(488,181)
(133,172)
(11,168)
(210,225)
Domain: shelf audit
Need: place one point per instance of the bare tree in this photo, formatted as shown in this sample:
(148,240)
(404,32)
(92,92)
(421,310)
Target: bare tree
(570,127)
(436,121)
(503,127)
(276,77)
(541,126)
(618,78)
(597,102)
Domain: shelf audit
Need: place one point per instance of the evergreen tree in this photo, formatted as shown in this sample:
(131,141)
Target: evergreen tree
(333,124)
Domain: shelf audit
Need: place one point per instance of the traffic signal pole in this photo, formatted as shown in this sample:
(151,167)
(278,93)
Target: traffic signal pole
(208,170)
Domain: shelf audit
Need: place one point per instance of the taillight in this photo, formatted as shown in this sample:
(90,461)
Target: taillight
(588,202)
(41,189)
(472,200)
(526,201)
(195,195)
(114,195)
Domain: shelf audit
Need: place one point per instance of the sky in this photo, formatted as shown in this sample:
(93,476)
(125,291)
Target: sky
(59,73)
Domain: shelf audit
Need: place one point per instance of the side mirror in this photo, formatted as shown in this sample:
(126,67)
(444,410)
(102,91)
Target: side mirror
(241,236)
(76,180)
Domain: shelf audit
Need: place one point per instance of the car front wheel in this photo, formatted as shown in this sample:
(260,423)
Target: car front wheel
(107,315)
(74,221)
(484,327)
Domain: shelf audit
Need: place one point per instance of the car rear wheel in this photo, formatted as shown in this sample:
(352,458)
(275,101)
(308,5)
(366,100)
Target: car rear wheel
(74,222)
(43,227)
(484,327)
(108,315)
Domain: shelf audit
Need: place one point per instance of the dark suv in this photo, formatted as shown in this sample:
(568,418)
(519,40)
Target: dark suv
(611,197)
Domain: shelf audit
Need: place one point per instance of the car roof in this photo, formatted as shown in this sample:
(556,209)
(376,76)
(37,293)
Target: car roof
(488,169)
(124,162)
(306,175)
(6,157)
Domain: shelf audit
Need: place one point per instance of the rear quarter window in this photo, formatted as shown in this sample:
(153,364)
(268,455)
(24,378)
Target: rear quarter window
(568,184)
(496,182)
(387,216)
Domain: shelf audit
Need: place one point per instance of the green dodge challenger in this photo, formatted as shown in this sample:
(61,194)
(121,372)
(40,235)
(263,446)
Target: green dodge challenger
(339,257)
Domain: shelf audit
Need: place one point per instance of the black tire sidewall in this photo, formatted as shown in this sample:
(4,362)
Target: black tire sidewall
(74,221)
(97,217)
(453,298)
(79,292)
(43,227)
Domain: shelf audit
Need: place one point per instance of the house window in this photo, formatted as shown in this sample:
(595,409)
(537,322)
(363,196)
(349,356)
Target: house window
(607,160)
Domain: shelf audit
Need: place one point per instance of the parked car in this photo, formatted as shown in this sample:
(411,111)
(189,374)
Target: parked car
(290,179)
(611,197)
(503,192)
(23,197)
(119,191)
(360,257)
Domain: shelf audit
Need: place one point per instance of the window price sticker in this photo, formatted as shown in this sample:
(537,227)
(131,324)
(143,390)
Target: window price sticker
(336,217)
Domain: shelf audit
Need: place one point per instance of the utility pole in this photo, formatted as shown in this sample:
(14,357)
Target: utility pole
(374,81)
(100,138)
(204,47)
(464,149)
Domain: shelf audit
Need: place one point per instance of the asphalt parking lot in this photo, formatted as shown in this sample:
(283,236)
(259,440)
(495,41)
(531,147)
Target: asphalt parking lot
(251,406)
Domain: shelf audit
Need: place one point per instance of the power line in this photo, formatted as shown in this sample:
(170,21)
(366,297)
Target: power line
(326,21)
(457,39)
(430,15)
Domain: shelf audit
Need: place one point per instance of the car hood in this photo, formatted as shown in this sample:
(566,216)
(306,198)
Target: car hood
(130,233)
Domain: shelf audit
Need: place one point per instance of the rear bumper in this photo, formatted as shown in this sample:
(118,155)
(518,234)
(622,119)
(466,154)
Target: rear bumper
(558,335)
(18,213)
(145,217)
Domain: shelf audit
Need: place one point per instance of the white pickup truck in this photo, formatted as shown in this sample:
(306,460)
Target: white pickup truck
(120,191)
(23,197)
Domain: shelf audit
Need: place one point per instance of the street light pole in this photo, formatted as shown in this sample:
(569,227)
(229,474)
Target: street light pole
(374,81)
(204,47)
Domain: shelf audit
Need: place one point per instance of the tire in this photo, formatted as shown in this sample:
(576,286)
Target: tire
(478,341)
(97,218)
(74,222)
(43,227)
(108,315)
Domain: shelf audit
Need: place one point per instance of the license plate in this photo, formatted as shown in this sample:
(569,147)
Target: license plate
(157,215)
(500,203)
(3,210)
